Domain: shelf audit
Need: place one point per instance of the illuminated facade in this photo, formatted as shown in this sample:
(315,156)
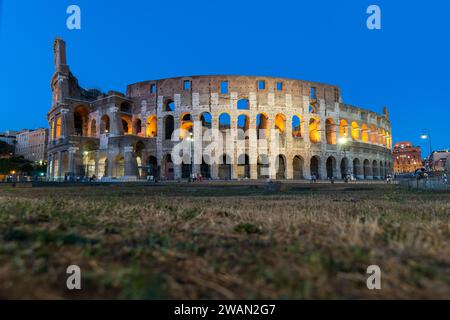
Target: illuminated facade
(407,158)
(118,136)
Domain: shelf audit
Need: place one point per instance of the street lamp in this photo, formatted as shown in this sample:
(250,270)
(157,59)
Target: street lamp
(426,135)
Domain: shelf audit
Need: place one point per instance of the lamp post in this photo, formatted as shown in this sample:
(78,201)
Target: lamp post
(426,135)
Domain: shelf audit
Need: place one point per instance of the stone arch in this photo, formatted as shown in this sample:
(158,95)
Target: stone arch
(243,104)
(330,129)
(169,105)
(243,166)
(280,123)
(137,126)
(243,124)
(315,166)
(343,129)
(364,133)
(152,167)
(93,128)
(297,167)
(205,168)
(355,131)
(186,125)
(105,124)
(373,134)
(225,167)
(263,166)
(151,127)
(367,170)
(331,167)
(58,128)
(375,169)
(345,168)
(169,127)
(224,121)
(168,168)
(296,126)
(280,166)
(206,120)
(81,119)
(380,137)
(262,125)
(314,130)
(357,169)
(126,124)
(119,166)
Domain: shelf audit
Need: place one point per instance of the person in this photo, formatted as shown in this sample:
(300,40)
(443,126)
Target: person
(313,178)
(332,179)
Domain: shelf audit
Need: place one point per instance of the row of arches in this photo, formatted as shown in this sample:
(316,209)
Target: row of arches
(354,131)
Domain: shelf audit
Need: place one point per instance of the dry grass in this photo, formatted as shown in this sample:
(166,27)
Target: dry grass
(211,242)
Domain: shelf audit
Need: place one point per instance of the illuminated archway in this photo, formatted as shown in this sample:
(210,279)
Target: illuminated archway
(151,129)
(280,123)
(373,134)
(330,129)
(343,129)
(364,133)
(314,130)
(355,131)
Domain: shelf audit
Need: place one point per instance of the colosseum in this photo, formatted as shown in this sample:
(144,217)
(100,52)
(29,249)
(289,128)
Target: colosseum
(128,137)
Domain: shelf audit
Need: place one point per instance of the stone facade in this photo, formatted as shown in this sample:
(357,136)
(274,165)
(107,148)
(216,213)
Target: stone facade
(127,136)
(32,144)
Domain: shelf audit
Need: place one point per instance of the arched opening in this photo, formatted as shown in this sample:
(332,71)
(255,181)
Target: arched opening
(186,170)
(168,167)
(297,168)
(367,170)
(262,124)
(281,167)
(355,130)
(263,167)
(243,125)
(296,127)
(314,130)
(224,122)
(280,123)
(93,130)
(104,124)
(373,134)
(169,125)
(243,167)
(119,167)
(81,118)
(205,169)
(169,105)
(375,170)
(343,129)
(187,125)
(104,172)
(364,133)
(206,120)
(152,127)
(380,137)
(139,153)
(152,167)
(225,168)
(357,170)
(345,170)
(126,124)
(330,129)
(137,126)
(243,104)
(58,128)
(331,167)
(314,166)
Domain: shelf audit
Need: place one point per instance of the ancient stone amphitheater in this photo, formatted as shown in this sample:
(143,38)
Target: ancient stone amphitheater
(130,136)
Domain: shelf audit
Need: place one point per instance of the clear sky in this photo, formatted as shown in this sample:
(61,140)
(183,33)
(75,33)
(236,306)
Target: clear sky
(405,65)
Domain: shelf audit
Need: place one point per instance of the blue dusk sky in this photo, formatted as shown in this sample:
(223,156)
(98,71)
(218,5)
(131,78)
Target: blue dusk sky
(405,65)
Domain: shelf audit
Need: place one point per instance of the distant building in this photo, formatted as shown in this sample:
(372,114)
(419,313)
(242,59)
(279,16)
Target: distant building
(407,158)
(8,136)
(32,144)
(441,160)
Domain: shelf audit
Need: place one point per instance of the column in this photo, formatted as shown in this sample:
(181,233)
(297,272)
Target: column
(130,162)
(72,154)
(115,123)
(60,158)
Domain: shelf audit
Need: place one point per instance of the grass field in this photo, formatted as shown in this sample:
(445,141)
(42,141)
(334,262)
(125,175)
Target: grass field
(215,242)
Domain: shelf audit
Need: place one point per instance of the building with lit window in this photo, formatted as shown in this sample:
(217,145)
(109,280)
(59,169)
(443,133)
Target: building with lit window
(32,144)
(407,158)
